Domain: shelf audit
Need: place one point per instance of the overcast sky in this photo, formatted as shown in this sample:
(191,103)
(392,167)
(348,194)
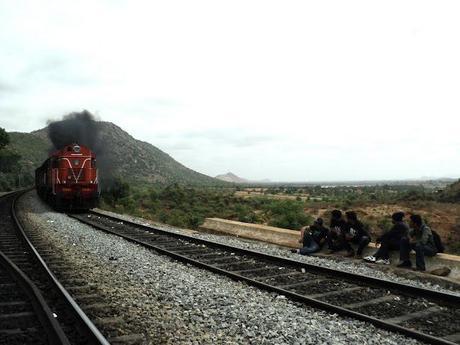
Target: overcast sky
(284,90)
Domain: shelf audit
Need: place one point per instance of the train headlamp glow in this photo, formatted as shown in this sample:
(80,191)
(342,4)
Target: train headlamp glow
(76,149)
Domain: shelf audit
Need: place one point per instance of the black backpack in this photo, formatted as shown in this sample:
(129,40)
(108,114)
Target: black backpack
(437,242)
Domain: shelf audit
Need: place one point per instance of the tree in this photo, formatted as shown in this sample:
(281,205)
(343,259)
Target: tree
(118,189)
(4,138)
(8,158)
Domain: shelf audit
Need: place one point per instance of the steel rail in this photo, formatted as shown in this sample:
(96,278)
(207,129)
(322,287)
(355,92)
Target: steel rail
(53,330)
(377,282)
(94,335)
(445,297)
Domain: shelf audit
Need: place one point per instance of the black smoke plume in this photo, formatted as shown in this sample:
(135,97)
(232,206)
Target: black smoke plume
(81,128)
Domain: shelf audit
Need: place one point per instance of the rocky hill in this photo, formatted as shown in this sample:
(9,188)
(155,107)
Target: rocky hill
(231,177)
(119,155)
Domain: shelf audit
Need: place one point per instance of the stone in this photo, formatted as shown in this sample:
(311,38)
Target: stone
(441,271)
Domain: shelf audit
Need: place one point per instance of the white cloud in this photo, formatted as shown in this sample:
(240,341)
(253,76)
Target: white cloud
(288,91)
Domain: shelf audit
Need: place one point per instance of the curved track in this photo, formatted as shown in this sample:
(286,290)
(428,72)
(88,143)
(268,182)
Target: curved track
(56,313)
(423,314)
(25,318)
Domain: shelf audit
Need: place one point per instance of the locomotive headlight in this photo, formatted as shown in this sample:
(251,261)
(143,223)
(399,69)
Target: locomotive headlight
(76,149)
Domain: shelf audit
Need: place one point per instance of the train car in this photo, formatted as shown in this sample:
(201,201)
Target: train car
(68,179)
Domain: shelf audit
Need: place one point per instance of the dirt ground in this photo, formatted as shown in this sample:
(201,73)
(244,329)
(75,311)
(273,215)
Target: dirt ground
(442,217)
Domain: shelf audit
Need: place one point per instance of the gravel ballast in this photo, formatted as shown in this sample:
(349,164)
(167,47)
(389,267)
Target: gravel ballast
(346,265)
(175,303)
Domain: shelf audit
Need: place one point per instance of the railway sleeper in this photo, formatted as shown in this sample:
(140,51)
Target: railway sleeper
(96,306)
(305,283)
(333,293)
(13,250)
(18,331)
(21,319)
(252,270)
(73,281)
(236,266)
(109,321)
(73,289)
(14,306)
(87,298)
(415,315)
(200,253)
(281,275)
(129,339)
(455,338)
(179,249)
(60,267)
(377,300)
(222,259)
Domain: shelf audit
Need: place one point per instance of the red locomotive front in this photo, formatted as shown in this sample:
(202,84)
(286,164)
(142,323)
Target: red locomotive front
(69,178)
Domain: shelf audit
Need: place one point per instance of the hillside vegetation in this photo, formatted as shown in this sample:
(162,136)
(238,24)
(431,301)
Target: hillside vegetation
(451,193)
(188,206)
(288,207)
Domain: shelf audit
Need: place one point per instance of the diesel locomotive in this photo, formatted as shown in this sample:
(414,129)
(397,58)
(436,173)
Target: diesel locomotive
(68,179)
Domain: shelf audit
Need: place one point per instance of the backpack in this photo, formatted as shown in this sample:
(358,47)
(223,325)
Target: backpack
(437,242)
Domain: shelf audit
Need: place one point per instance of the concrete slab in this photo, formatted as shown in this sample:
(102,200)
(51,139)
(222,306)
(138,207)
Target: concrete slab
(283,237)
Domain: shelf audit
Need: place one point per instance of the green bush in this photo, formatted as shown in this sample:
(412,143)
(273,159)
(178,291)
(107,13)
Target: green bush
(384,224)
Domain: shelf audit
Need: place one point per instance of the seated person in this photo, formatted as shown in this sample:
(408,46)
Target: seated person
(356,234)
(421,240)
(390,240)
(312,238)
(338,227)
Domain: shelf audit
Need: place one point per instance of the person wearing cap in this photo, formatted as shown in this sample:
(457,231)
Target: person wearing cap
(356,234)
(390,240)
(312,238)
(420,239)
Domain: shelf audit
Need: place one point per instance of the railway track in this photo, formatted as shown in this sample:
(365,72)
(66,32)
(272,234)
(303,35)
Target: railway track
(34,306)
(427,315)
(25,318)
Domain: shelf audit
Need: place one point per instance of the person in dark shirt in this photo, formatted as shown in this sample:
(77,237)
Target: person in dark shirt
(337,230)
(390,240)
(313,238)
(420,239)
(356,234)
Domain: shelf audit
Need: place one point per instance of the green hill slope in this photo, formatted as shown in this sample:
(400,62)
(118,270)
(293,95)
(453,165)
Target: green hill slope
(122,156)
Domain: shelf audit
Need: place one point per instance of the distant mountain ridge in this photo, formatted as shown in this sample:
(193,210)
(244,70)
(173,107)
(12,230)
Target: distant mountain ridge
(231,177)
(127,157)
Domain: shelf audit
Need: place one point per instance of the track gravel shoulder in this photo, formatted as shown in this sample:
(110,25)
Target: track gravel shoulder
(173,303)
(335,262)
